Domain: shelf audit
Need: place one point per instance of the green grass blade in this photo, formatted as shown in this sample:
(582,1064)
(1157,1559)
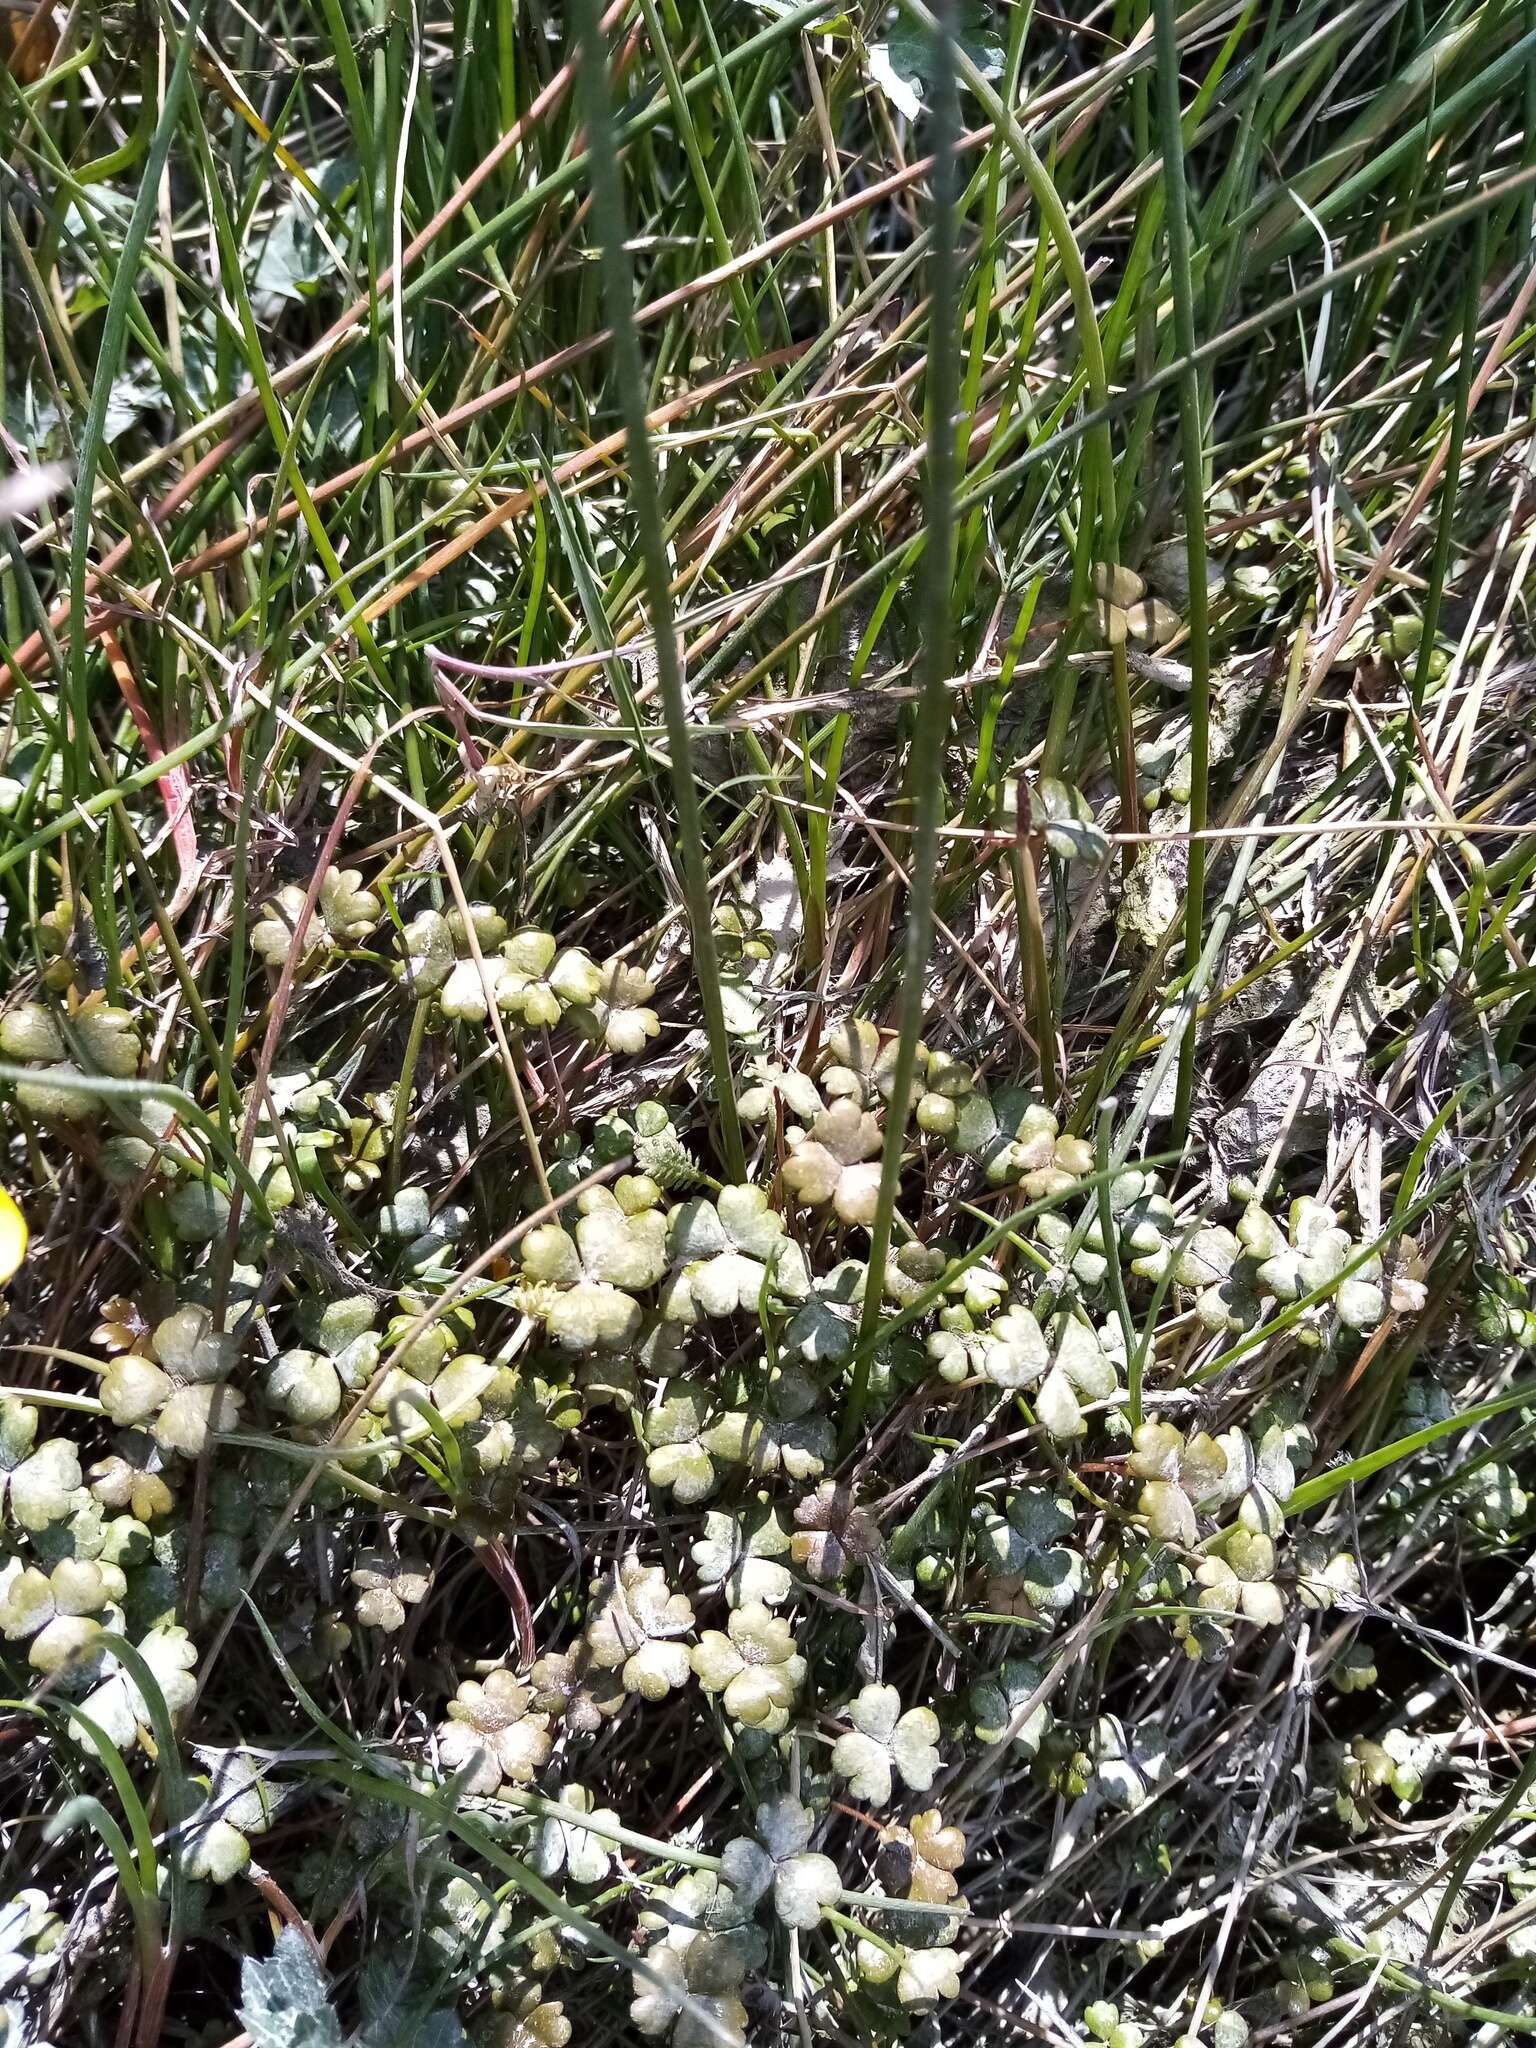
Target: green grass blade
(645,502)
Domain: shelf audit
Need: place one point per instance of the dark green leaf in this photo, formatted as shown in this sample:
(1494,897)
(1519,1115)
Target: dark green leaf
(901,63)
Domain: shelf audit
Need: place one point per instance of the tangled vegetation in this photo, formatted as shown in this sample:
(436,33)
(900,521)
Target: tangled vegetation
(766,821)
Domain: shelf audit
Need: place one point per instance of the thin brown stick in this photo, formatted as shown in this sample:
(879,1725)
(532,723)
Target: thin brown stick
(31,653)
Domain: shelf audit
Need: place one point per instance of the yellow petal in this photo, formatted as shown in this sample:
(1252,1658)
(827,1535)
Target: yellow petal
(13,1237)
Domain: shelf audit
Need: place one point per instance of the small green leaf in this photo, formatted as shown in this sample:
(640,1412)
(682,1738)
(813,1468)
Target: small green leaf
(1327,1484)
(900,62)
(285,2001)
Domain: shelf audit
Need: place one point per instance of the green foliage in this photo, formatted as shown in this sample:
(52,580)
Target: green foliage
(765,1025)
(285,1999)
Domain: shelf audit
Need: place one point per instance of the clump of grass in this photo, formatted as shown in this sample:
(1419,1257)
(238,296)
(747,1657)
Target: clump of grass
(763,816)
